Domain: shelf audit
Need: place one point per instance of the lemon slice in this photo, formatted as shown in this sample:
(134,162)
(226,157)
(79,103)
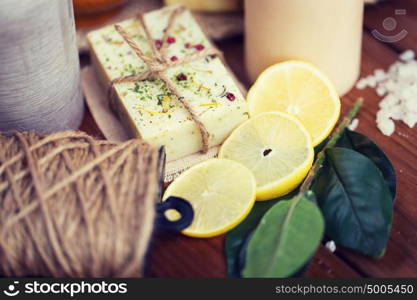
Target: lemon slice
(276,148)
(221,192)
(300,89)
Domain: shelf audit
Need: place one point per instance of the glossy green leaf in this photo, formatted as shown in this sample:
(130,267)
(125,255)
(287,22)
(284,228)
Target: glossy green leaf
(320,146)
(364,145)
(355,200)
(285,239)
(235,239)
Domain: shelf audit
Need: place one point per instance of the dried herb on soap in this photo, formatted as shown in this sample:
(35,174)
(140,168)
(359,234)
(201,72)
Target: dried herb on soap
(137,88)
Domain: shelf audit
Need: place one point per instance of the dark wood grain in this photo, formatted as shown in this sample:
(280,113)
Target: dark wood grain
(375,16)
(180,256)
(400,258)
(327,264)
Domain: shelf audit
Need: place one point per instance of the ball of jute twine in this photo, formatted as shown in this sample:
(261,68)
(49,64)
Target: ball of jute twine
(73,206)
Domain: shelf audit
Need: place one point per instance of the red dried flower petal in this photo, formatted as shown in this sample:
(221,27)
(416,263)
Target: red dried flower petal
(230,96)
(170,40)
(181,77)
(158,44)
(199,47)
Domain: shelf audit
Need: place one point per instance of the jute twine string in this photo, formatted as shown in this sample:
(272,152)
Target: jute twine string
(158,64)
(73,206)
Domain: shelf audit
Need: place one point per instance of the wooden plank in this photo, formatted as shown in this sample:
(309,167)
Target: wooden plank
(179,256)
(174,255)
(185,257)
(376,14)
(400,258)
(400,146)
(326,264)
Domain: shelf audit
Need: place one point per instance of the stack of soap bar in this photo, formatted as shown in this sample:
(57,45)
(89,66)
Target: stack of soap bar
(148,108)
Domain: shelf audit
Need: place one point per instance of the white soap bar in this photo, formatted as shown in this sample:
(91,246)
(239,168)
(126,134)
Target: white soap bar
(147,107)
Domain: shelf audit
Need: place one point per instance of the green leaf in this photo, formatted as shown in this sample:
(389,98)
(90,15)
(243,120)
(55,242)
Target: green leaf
(286,238)
(236,238)
(355,201)
(364,145)
(235,245)
(320,146)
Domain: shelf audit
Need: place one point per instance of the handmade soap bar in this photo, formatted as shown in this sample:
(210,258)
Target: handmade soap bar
(149,108)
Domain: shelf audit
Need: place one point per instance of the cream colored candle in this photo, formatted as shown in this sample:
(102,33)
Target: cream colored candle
(327,33)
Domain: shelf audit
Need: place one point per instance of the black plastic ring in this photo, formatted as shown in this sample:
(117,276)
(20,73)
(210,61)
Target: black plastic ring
(183,207)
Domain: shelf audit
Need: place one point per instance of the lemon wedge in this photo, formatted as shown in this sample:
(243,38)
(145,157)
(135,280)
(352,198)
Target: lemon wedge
(300,89)
(276,147)
(221,192)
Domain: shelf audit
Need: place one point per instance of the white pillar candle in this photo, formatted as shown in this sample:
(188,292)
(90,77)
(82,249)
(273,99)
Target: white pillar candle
(327,33)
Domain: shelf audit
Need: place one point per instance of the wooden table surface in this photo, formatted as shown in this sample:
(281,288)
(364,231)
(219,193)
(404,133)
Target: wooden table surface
(180,256)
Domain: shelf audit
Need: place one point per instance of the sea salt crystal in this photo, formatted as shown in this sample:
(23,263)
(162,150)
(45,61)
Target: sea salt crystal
(398,87)
(372,81)
(381,91)
(354,124)
(331,245)
(386,126)
(394,67)
(380,74)
(403,134)
(407,55)
(407,71)
(396,112)
(410,119)
(361,84)
(390,85)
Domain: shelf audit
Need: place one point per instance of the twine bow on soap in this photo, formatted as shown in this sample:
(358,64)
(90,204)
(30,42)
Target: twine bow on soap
(159,63)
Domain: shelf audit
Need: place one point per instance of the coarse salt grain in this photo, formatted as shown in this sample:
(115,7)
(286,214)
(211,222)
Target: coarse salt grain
(331,245)
(354,124)
(380,90)
(380,74)
(361,84)
(407,55)
(386,126)
(372,81)
(398,87)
